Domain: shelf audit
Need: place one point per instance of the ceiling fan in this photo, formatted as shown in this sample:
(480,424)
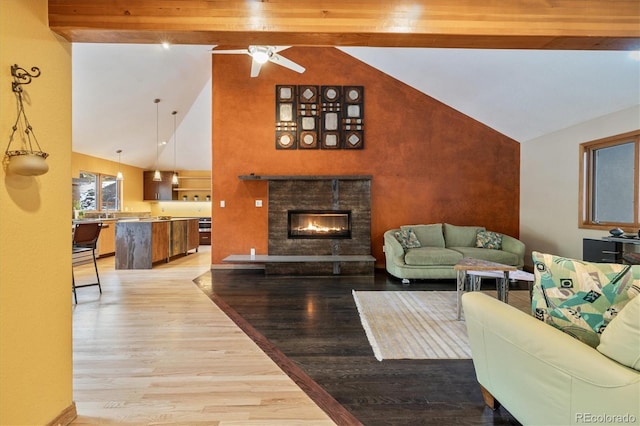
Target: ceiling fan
(262,55)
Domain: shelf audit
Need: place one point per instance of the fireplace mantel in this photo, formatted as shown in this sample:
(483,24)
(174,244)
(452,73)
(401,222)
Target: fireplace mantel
(305,177)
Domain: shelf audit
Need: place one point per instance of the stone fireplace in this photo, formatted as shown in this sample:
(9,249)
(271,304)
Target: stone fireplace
(319,216)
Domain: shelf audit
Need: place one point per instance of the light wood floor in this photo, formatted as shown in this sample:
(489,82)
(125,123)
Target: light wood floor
(153,349)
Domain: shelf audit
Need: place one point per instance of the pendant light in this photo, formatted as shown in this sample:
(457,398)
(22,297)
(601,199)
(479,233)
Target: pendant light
(174,179)
(119,175)
(156,175)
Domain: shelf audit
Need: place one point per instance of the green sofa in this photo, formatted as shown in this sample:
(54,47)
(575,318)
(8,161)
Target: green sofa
(430,251)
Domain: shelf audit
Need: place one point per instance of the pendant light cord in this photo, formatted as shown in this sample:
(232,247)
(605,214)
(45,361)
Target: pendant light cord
(157,101)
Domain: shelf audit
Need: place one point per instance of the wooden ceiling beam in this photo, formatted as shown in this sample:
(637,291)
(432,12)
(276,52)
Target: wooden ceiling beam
(501,24)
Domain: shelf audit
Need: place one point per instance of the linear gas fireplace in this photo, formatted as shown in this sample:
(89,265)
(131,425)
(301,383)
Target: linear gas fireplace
(319,224)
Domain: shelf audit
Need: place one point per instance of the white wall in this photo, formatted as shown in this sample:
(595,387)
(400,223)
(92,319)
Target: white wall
(549,184)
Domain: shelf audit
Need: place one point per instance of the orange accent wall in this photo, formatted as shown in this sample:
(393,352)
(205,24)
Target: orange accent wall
(429,162)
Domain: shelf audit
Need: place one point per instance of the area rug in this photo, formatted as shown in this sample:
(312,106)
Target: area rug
(412,324)
(415,324)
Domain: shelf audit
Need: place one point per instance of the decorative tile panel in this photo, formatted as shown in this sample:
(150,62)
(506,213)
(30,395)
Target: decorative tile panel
(326,117)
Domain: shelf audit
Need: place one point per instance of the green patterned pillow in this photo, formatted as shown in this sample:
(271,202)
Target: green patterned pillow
(581,298)
(489,240)
(407,238)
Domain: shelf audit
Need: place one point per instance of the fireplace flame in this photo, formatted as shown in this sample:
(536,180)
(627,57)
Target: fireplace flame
(320,229)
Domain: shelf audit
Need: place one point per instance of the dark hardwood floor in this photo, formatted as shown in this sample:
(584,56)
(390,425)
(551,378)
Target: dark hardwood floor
(312,324)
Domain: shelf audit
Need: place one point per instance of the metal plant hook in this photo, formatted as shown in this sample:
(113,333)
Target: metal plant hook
(22,76)
(29,159)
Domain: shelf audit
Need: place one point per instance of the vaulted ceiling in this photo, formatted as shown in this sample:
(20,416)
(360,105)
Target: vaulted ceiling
(542,65)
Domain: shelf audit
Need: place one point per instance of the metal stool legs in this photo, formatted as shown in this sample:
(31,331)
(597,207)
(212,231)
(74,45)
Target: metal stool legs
(95,267)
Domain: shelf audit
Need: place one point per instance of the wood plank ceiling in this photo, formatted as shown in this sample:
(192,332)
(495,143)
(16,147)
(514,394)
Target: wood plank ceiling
(502,24)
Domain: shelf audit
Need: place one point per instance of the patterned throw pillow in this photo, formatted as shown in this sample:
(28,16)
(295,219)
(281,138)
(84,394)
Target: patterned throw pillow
(581,298)
(407,239)
(489,240)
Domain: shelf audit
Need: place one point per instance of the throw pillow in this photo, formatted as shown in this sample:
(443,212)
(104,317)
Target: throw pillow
(407,239)
(620,341)
(580,298)
(428,235)
(489,240)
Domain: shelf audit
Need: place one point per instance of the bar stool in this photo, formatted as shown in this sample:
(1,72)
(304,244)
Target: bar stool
(85,240)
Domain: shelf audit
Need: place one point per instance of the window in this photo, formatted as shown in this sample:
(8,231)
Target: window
(99,192)
(609,182)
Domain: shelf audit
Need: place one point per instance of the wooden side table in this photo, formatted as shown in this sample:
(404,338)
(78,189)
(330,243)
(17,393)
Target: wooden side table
(471,264)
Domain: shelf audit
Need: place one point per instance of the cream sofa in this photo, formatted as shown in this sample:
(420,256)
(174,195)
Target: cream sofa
(544,376)
(440,246)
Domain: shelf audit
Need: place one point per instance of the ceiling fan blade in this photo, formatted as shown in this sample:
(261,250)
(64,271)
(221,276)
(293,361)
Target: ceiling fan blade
(287,63)
(255,68)
(280,48)
(231,51)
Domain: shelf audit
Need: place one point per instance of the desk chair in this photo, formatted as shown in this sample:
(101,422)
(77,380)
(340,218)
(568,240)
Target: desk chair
(85,240)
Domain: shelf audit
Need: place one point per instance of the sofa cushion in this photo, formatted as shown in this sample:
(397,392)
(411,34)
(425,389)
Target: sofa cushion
(428,235)
(620,341)
(461,236)
(489,240)
(431,256)
(581,298)
(407,238)
(498,256)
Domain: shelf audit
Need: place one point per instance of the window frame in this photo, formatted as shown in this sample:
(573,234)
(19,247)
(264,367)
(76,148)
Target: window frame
(587,149)
(100,177)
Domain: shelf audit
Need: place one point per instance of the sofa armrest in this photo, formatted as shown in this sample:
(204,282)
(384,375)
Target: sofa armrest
(527,364)
(393,250)
(513,245)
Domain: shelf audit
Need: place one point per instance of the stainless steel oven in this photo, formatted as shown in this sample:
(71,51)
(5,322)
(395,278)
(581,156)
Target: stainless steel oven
(205,230)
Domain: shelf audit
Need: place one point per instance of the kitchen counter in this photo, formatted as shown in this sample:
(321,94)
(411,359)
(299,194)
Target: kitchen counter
(142,243)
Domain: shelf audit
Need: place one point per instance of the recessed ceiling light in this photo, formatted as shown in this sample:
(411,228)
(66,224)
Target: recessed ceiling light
(166,45)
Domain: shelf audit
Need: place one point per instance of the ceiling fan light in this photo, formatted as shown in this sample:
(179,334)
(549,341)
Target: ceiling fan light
(260,54)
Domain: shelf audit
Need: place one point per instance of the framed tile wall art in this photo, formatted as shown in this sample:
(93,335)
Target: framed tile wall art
(286,123)
(319,117)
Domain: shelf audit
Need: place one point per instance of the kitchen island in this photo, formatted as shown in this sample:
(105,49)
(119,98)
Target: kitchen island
(141,243)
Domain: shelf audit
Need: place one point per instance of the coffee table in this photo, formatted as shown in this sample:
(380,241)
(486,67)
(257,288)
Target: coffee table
(471,264)
(518,275)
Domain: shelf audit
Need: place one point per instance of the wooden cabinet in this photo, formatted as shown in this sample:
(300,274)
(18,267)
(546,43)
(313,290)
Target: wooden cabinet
(107,238)
(178,237)
(205,238)
(185,236)
(159,242)
(159,191)
(193,237)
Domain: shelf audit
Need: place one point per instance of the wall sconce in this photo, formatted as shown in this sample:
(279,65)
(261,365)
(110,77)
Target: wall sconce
(174,178)
(25,161)
(157,177)
(119,175)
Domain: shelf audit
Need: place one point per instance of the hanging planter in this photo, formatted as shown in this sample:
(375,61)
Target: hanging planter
(27,163)
(29,160)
